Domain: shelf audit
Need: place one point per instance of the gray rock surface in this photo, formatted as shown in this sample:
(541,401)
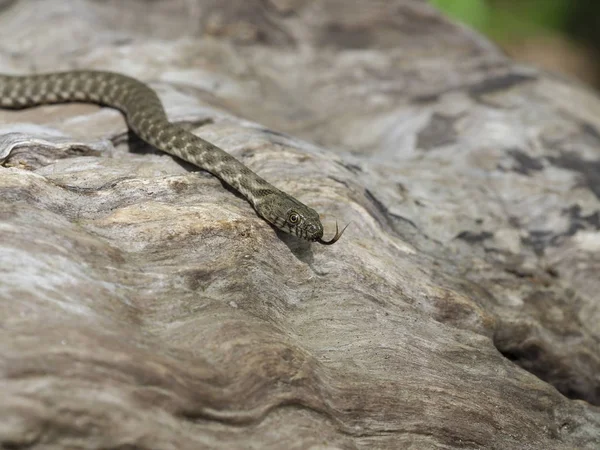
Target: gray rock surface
(143,305)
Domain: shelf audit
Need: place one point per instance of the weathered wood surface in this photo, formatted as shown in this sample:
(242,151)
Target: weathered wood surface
(142,305)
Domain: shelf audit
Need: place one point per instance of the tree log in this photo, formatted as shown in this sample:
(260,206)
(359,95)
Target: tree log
(144,305)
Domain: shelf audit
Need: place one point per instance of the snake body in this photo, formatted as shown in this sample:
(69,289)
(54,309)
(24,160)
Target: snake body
(146,116)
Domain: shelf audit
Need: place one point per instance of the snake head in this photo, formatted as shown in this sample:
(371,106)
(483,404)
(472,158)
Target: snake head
(295,218)
(290,216)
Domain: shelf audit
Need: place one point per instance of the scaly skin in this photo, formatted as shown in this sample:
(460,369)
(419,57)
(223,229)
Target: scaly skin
(147,118)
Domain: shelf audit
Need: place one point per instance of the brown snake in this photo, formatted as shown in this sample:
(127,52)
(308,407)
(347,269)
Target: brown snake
(147,118)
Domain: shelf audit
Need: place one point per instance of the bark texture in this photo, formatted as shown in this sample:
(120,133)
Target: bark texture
(143,305)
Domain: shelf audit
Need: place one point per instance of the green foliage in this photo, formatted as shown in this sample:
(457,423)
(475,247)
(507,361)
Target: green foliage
(474,13)
(504,18)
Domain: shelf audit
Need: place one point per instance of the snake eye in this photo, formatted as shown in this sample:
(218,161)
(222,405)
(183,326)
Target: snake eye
(294,218)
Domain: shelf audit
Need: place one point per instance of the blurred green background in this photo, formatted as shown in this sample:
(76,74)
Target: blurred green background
(559,35)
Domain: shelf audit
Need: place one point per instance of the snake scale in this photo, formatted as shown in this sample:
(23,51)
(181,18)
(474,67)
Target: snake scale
(147,118)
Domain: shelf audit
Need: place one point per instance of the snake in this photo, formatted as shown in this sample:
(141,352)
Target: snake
(146,117)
